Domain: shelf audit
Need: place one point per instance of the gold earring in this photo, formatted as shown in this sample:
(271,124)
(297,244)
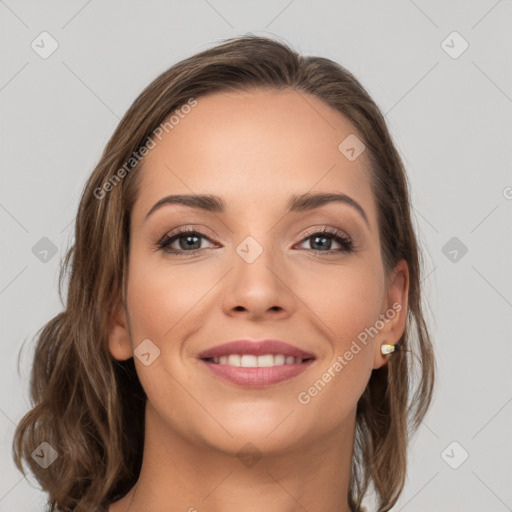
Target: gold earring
(387,349)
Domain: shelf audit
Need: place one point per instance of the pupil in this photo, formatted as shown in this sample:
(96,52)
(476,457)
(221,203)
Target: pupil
(187,243)
(322,238)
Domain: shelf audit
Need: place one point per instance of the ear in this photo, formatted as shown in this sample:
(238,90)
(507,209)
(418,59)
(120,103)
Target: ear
(393,313)
(119,342)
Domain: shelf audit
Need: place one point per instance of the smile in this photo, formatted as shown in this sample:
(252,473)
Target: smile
(254,364)
(251,361)
(247,371)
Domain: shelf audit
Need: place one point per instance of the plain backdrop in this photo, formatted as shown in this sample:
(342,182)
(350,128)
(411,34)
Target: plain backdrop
(441,71)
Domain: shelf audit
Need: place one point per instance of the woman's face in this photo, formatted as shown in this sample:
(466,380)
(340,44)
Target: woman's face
(255,270)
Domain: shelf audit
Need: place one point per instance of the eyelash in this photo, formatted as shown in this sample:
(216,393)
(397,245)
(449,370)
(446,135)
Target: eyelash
(344,240)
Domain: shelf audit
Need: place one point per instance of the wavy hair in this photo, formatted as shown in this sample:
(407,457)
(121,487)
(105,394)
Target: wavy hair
(90,407)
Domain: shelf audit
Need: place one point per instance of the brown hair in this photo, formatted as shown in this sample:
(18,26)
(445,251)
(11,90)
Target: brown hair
(90,407)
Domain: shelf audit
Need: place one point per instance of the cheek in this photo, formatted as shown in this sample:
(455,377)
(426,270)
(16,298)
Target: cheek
(348,300)
(162,298)
(349,305)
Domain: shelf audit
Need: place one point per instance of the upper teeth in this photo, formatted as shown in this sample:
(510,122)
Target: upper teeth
(249,361)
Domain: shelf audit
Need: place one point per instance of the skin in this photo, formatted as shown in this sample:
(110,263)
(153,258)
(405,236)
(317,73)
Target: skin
(253,149)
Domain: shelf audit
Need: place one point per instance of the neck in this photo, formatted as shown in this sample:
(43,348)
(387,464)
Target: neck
(180,475)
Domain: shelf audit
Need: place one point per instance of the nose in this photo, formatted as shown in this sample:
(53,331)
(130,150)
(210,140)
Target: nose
(258,289)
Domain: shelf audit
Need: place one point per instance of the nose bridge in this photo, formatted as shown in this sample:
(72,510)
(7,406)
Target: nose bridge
(256,258)
(257,243)
(256,282)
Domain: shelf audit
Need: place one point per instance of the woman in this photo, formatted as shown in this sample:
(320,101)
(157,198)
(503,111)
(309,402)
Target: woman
(244,313)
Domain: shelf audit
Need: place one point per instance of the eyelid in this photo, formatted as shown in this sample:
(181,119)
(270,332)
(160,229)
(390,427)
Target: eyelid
(340,236)
(201,231)
(184,228)
(325,228)
(208,234)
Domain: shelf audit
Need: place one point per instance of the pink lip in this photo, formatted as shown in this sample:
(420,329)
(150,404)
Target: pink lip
(256,377)
(255,348)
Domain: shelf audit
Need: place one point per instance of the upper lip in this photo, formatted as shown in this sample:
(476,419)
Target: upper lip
(255,348)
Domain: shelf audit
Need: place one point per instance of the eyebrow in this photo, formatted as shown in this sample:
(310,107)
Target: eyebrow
(296,203)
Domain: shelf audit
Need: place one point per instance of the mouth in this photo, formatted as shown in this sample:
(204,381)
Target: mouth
(256,363)
(252,361)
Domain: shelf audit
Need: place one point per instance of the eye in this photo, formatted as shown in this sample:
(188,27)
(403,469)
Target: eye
(188,241)
(324,238)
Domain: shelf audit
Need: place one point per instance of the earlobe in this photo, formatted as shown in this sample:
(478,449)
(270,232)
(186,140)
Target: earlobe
(393,316)
(119,343)
(380,359)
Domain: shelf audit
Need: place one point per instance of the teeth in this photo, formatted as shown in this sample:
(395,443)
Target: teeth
(234,360)
(250,361)
(279,359)
(267,360)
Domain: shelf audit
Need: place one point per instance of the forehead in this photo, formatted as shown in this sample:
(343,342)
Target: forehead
(255,149)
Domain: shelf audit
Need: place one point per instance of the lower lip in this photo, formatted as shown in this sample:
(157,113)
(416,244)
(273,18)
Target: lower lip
(257,377)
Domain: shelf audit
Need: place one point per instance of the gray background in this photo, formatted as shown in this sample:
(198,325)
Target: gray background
(450,118)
